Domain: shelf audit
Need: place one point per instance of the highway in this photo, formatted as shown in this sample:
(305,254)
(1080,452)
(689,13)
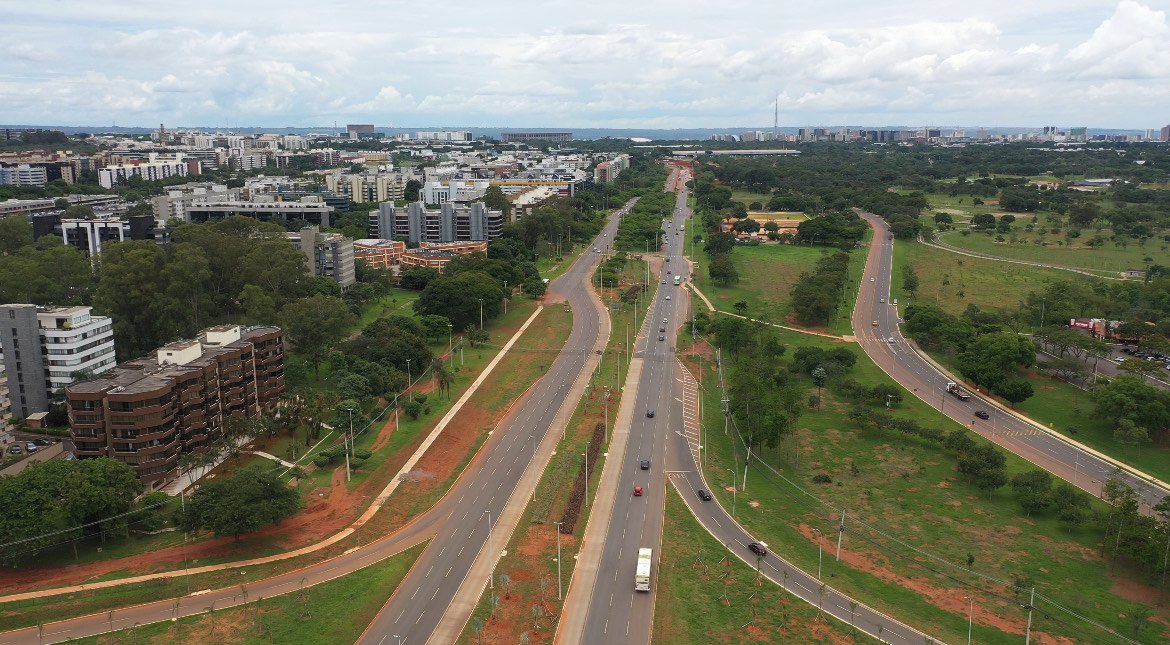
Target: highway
(457,525)
(616,613)
(898,359)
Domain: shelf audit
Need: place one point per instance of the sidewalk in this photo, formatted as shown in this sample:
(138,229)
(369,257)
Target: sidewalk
(798,330)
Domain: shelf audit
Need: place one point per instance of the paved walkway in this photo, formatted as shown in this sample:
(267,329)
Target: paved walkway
(261,453)
(810,332)
(935,242)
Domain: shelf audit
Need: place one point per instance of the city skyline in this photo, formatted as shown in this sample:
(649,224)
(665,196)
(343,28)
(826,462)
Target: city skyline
(1094,63)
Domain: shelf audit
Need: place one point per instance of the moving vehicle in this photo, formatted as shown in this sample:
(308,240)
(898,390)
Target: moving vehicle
(662,330)
(957,392)
(890,340)
(982,415)
(642,575)
(677,281)
(875,323)
(644,464)
(882,300)
(661,337)
(759,548)
(668,295)
(637,491)
(649,414)
(704,495)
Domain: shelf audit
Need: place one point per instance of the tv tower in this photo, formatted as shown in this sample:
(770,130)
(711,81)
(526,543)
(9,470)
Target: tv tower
(776,119)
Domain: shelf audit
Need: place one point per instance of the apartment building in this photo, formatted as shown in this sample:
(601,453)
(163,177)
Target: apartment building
(534,137)
(329,255)
(90,235)
(378,254)
(367,187)
(47,348)
(149,412)
(461,136)
(153,169)
(608,171)
(5,402)
(23,175)
(266,208)
(449,223)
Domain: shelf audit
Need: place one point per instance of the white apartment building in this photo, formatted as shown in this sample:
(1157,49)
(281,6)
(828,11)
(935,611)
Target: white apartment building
(23,175)
(368,187)
(456,190)
(153,169)
(47,348)
(444,135)
(294,142)
(249,160)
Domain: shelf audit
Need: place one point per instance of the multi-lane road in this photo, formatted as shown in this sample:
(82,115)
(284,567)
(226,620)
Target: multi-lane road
(1082,467)
(457,525)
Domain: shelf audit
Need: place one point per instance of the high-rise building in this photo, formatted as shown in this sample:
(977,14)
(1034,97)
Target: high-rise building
(533,137)
(23,175)
(152,170)
(448,223)
(148,412)
(47,348)
(329,255)
(1166,133)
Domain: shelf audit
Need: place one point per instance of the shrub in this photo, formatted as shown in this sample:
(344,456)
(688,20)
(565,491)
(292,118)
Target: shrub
(822,478)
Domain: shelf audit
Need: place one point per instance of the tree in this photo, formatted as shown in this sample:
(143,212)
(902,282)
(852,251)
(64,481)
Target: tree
(722,270)
(417,279)
(909,280)
(15,232)
(241,503)
(259,307)
(435,327)
(983,220)
(1128,433)
(496,200)
(1016,390)
(719,244)
(985,465)
(411,192)
(458,297)
(315,325)
(1034,490)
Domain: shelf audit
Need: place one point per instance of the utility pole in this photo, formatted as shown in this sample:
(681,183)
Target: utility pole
(586,474)
(732,493)
(560,586)
(970,616)
(349,445)
(840,534)
(1031,606)
(820,554)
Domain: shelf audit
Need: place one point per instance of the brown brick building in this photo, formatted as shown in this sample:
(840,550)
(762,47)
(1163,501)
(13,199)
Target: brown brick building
(148,412)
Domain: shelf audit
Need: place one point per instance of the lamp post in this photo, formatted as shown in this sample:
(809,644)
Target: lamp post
(560,587)
(491,578)
(820,553)
(481,313)
(506,296)
(970,616)
(607,415)
(732,491)
(534,461)
(450,337)
(586,453)
(349,445)
(409,396)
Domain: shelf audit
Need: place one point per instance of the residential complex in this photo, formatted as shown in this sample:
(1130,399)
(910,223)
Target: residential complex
(311,209)
(47,348)
(89,235)
(147,413)
(449,223)
(607,171)
(153,169)
(329,254)
(23,175)
(378,254)
(436,255)
(534,137)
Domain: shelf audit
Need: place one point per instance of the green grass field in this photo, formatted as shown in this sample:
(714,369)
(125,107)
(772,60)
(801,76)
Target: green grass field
(332,612)
(910,490)
(953,281)
(766,275)
(747,196)
(1050,248)
(706,595)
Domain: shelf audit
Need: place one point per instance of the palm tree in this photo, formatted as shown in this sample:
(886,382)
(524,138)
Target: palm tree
(443,375)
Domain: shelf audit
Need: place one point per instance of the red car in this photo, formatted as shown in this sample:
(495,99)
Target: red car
(637,491)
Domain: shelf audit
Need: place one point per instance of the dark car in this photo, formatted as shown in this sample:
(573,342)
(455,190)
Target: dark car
(649,414)
(668,259)
(661,337)
(15,450)
(668,272)
(982,414)
(42,442)
(704,495)
(644,464)
(758,549)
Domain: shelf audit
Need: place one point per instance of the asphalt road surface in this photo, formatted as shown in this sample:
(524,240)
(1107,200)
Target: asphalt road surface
(457,523)
(617,613)
(905,366)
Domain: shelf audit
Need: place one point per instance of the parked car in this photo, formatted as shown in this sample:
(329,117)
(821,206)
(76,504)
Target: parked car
(31,447)
(875,323)
(704,495)
(43,442)
(15,449)
(758,549)
(982,414)
(644,464)
(637,491)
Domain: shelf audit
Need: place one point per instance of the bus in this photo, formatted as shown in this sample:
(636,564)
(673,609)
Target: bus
(642,576)
(677,280)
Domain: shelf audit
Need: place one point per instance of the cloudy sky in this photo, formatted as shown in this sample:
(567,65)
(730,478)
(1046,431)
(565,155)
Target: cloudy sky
(640,63)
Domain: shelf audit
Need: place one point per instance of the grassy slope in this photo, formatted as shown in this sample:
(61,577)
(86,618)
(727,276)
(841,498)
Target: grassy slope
(1111,257)
(767,273)
(912,491)
(332,612)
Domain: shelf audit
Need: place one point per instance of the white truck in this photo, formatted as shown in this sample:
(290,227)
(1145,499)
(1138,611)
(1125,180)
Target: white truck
(677,280)
(642,575)
(957,392)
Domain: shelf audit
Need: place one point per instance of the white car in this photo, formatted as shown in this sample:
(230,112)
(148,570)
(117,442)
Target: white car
(890,340)
(668,297)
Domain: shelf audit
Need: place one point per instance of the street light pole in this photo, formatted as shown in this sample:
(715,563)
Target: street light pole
(450,337)
(534,461)
(820,554)
(505,296)
(587,474)
(481,313)
(349,445)
(607,415)
(491,578)
(560,586)
(970,616)
(409,396)
(732,492)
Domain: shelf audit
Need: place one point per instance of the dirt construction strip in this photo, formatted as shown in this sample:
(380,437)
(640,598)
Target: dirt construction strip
(333,539)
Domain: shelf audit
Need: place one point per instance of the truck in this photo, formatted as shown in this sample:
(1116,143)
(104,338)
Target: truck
(642,575)
(957,392)
(677,280)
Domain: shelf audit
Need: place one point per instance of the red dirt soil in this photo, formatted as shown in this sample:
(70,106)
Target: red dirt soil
(951,600)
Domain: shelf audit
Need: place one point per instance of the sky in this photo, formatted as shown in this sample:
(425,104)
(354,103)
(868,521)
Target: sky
(604,64)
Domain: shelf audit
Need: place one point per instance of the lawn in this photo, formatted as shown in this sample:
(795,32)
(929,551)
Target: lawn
(953,281)
(748,196)
(766,275)
(706,595)
(337,611)
(909,496)
(398,301)
(1111,257)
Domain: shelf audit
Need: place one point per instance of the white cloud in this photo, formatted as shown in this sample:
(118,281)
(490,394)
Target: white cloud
(1001,62)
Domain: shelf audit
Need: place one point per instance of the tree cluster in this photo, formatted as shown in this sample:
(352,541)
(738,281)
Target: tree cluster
(245,501)
(816,295)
